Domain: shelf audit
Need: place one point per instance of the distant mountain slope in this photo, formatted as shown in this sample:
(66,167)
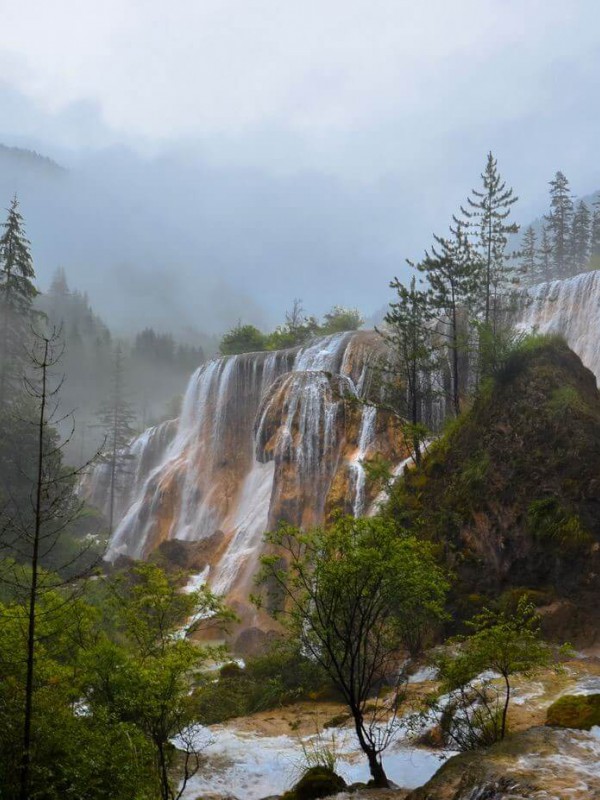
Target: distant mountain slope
(20,158)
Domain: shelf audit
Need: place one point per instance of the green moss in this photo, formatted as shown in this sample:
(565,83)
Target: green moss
(549,521)
(565,400)
(575,711)
(316,782)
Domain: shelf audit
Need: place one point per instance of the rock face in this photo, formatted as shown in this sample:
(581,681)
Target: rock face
(262,437)
(537,763)
(512,492)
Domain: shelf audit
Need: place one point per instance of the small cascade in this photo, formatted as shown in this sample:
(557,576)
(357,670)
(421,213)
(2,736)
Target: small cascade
(366,437)
(144,453)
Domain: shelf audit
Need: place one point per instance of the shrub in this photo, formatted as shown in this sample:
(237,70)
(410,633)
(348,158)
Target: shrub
(242,339)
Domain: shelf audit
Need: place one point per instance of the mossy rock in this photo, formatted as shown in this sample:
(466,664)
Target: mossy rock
(231,671)
(316,782)
(575,711)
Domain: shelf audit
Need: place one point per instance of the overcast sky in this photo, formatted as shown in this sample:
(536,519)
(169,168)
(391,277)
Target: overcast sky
(375,114)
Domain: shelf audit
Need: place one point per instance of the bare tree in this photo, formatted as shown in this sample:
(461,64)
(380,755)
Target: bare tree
(33,531)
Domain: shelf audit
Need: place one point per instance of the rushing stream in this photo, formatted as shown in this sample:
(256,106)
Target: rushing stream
(250,767)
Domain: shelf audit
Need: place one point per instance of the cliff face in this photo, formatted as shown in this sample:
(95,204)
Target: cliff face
(512,491)
(262,437)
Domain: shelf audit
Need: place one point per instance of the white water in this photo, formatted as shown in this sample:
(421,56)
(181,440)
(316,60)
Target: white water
(570,308)
(213,477)
(251,767)
(250,523)
(367,430)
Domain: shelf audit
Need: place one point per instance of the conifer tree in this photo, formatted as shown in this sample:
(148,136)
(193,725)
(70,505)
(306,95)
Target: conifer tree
(454,273)
(486,220)
(35,527)
(408,333)
(17,292)
(529,255)
(595,235)
(544,263)
(580,236)
(116,418)
(559,222)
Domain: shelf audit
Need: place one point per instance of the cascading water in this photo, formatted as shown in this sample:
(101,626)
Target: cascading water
(265,437)
(367,428)
(262,437)
(570,308)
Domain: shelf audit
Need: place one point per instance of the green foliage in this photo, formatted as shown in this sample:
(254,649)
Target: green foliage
(352,592)
(503,643)
(113,680)
(549,521)
(565,400)
(242,339)
(75,754)
(340,319)
(474,474)
(297,329)
(281,676)
(496,346)
(575,711)
(17,293)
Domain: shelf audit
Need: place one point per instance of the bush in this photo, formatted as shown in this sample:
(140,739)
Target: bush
(575,711)
(242,339)
(277,678)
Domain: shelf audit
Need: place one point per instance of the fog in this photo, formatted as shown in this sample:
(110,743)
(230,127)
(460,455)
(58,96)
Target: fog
(220,159)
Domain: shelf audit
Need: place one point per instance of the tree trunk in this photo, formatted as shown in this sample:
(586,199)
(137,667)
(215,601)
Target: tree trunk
(26,755)
(505,709)
(455,377)
(375,766)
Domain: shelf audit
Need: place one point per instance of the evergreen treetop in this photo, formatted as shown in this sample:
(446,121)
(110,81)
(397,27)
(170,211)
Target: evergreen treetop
(486,221)
(17,288)
(559,222)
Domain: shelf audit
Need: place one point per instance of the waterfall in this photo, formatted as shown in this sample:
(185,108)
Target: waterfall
(262,437)
(570,308)
(367,428)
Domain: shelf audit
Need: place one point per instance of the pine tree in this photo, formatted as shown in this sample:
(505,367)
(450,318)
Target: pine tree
(529,255)
(116,418)
(17,292)
(408,333)
(486,220)
(595,235)
(544,263)
(59,286)
(581,236)
(454,273)
(36,523)
(560,220)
